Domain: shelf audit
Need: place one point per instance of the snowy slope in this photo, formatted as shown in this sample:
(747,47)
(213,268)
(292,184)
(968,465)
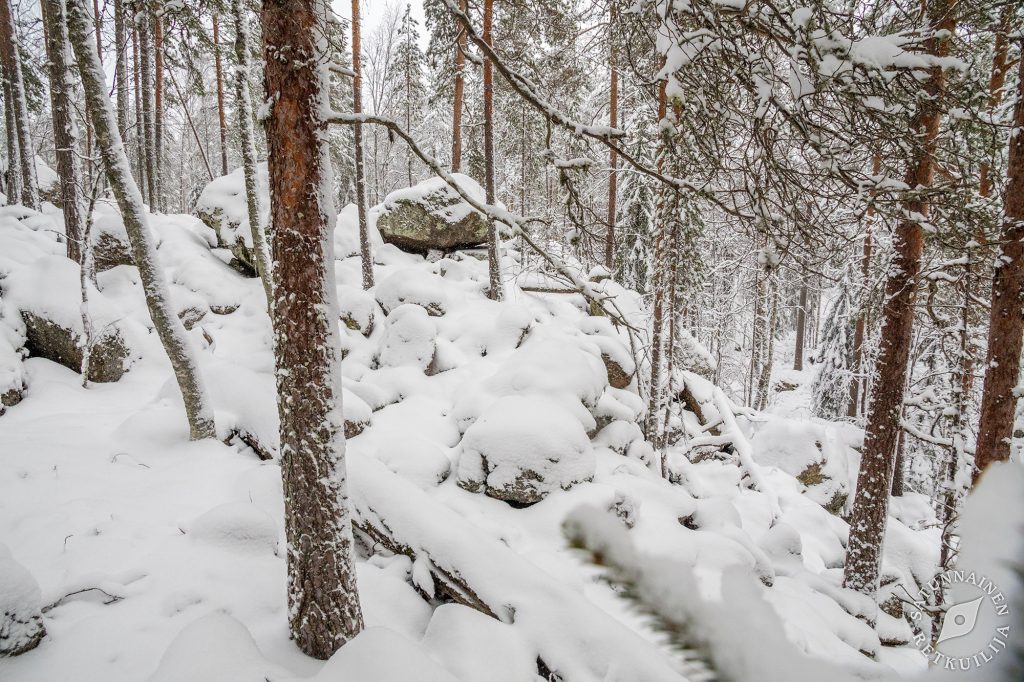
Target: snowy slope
(154,552)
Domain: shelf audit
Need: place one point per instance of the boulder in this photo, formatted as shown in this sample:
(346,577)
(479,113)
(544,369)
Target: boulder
(522,448)
(110,249)
(431,216)
(21,617)
(45,338)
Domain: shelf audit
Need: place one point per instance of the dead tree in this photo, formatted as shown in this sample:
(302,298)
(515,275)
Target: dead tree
(1006,318)
(168,327)
(65,132)
(323,604)
(874,481)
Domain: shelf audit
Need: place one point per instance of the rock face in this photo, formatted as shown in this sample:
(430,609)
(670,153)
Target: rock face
(47,339)
(432,216)
(21,618)
(109,251)
(523,448)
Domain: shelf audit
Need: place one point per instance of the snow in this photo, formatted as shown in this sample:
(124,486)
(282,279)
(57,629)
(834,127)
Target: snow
(20,605)
(476,647)
(238,527)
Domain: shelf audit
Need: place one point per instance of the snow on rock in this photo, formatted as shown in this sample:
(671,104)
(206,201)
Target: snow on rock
(432,216)
(408,338)
(420,287)
(477,647)
(809,452)
(358,309)
(414,458)
(346,233)
(109,238)
(381,655)
(21,618)
(387,598)
(214,648)
(236,526)
(222,206)
(522,449)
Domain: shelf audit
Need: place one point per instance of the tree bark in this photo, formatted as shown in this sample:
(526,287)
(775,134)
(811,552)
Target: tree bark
(860,330)
(493,264)
(1006,319)
(218,70)
(65,132)
(997,79)
(801,325)
(357,132)
(323,603)
(139,135)
(243,104)
(120,68)
(144,24)
(613,117)
(13,75)
(657,281)
(160,200)
(126,192)
(874,481)
(13,179)
(460,86)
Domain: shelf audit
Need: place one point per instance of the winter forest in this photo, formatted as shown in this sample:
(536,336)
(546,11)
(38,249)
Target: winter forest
(512,340)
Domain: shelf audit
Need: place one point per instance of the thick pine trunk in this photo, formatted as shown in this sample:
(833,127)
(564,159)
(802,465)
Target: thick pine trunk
(460,87)
(243,105)
(126,192)
(874,481)
(493,265)
(219,71)
(1006,319)
(323,604)
(13,75)
(64,129)
(613,118)
(357,132)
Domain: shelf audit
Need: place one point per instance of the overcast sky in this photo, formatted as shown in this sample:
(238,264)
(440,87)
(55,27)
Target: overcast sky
(373,12)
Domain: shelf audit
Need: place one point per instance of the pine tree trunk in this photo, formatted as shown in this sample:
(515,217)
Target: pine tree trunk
(140,128)
(460,87)
(997,79)
(13,75)
(64,129)
(120,69)
(493,264)
(357,132)
(126,192)
(323,604)
(243,104)
(874,481)
(1006,319)
(218,70)
(657,281)
(801,324)
(613,114)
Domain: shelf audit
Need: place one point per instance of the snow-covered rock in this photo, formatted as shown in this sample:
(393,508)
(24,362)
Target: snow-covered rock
(408,338)
(382,655)
(214,648)
(419,287)
(432,216)
(21,618)
(236,526)
(477,647)
(522,449)
(414,458)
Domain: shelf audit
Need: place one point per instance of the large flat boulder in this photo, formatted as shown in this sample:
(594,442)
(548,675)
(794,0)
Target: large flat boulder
(431,216)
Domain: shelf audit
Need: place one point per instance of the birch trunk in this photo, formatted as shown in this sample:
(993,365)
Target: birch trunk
(243,105)
(65,133)
(323,604)
(126,192)
(13,75)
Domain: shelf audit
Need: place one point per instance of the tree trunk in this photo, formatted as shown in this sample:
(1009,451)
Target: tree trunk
(657,281)
(871,504)
(120,69)
(801,325)
(613,106)
(218,70)
(323,604)
(126,192)
(140,128)
(1000,66)
(460,86)
(13,75)
(357,132)
(158,108)
(860,330)
(764,379)
(243,103)
(1006,319)
(13,185)
(143,20)
(65,132)
(493,264)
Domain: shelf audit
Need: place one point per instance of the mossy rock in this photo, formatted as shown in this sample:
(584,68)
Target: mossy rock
(426,224)
(45,338)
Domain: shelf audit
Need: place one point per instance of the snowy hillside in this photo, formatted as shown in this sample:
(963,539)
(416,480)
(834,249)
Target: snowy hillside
(476,429)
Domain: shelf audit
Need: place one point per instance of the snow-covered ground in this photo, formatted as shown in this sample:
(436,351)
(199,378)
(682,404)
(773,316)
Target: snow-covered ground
(159,558)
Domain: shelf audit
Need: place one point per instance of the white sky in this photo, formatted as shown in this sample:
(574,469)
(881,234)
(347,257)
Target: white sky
(373,12)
